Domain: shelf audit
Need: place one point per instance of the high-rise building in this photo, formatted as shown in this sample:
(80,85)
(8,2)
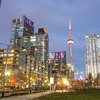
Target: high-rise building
(27,54)
(70,72)
(37,46)
(57,65)
(21,27)
(92,56)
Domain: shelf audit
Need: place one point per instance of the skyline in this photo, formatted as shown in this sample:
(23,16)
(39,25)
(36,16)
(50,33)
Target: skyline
(84,19)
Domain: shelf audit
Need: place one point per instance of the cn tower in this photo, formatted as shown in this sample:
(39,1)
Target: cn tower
(70,42)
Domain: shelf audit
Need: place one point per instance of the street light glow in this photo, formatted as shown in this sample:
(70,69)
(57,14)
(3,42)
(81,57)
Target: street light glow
(58,83)
(65,81)
(7,73)
(45,81)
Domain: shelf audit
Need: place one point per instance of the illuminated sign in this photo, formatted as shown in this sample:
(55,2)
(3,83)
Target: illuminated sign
(29,22)
(52,55)
(57,55)
(51,80)
(14,81)
(44,31)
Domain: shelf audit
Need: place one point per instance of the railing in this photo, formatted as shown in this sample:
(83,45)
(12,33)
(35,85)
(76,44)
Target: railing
(18,92)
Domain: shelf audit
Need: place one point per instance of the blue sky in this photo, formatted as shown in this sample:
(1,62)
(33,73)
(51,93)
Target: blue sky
(53,15)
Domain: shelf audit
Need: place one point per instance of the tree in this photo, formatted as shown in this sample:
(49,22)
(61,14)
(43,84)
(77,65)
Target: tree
(90,80)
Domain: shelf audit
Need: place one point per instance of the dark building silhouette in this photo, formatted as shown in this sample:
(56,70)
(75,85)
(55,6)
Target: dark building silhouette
(0,2)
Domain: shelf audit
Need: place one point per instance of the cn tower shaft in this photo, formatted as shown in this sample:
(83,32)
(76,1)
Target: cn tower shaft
(70,42)
(70,54)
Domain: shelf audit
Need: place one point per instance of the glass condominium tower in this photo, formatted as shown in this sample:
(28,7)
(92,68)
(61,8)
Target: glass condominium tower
(37,46)
(92,56)
(20,27)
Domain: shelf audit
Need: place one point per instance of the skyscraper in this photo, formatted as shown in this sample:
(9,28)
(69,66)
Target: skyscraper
(92,56)
(21,27)
(37,46)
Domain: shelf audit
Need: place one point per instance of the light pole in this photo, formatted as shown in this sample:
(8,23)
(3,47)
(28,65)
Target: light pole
(65,82)
(5,69)
(45,85)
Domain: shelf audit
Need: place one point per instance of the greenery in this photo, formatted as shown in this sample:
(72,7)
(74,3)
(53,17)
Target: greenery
(79,95)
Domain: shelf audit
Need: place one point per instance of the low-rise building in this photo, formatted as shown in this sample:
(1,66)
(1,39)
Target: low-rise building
(20,69)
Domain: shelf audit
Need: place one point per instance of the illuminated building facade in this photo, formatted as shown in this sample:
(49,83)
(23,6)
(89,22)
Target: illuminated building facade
(57,65)
(20,67)
(37,46)
(21,27)
(92,56)
(70,72)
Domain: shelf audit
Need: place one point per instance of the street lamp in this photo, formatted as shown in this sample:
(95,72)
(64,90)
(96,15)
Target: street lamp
(30,84)
(5,70)
(58,83)
(45,85)
(31,78)
(7,73)
(65,82)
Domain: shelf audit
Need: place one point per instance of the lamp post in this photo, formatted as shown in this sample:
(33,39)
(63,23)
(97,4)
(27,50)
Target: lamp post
(5,69)
(45,85)
(30,85)
(65,82)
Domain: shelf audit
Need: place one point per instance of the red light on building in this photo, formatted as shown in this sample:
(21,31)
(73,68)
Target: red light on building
(14,81)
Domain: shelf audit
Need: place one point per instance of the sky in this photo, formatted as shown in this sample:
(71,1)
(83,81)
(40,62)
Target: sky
(53,15)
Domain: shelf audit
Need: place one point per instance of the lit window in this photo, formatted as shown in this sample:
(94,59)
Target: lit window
(5,54)
(35,49)
(12,50)
(24,49)
(33,39)
(1,55)
(11,58)
(25,40)
(10,54)
(8,62)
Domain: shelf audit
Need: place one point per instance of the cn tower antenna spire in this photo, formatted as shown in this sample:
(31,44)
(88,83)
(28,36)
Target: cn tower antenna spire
(69,24)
